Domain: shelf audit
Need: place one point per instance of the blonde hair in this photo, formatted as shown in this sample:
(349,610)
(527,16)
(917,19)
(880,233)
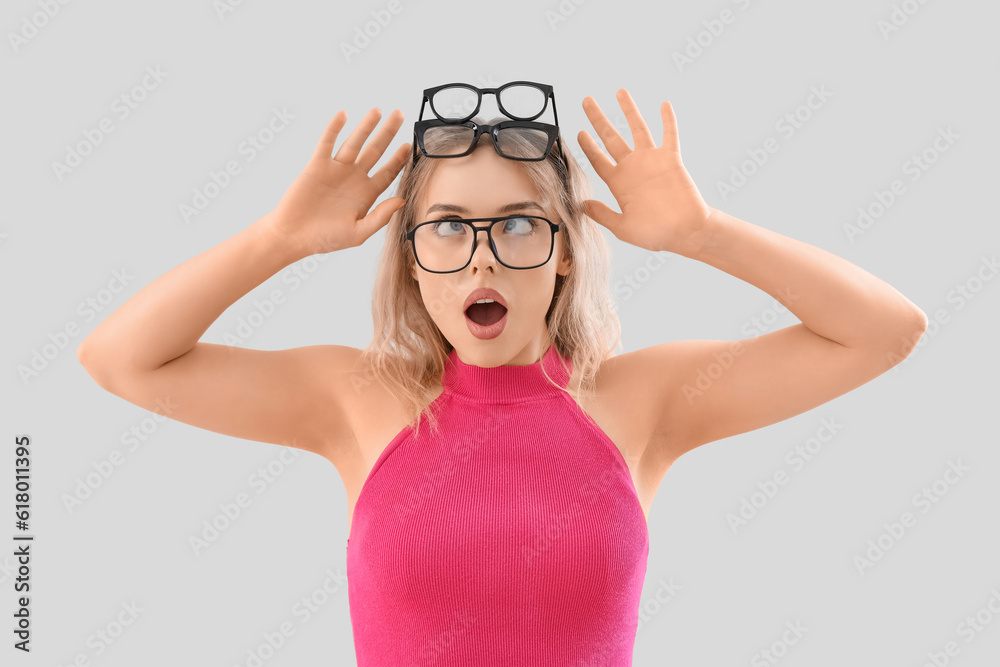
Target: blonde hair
(408,352)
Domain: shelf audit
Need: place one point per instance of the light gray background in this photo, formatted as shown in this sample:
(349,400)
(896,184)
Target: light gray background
(62,241)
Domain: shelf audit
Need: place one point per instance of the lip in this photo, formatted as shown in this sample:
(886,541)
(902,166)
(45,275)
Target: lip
(484,293)
(478,330)
(487,333)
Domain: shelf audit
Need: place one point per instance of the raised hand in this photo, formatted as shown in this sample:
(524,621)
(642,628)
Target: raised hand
(661,206)
(327,207)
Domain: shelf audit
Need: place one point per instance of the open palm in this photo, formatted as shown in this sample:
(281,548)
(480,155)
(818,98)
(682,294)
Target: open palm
(327,206)
(661,206)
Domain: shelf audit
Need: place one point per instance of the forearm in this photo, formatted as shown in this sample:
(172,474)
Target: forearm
(831,296)
(167,317)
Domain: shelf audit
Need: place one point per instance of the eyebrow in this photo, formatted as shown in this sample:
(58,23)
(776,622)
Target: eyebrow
(507,208)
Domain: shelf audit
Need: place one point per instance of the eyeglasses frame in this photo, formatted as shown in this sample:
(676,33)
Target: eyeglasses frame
(545,88)
(553,227)
(421,126)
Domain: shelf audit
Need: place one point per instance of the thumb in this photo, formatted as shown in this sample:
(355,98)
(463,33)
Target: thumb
(602,214)
(379,217)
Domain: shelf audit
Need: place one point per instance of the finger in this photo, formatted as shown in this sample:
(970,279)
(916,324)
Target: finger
(602,163)
(326,142)
(613,141)
(603,215)
(382,178)
(641,136)
(376,147)
(379,216)
(348,153)
(670,139)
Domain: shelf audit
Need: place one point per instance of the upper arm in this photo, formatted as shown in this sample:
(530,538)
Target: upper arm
(700,391)
(298,397)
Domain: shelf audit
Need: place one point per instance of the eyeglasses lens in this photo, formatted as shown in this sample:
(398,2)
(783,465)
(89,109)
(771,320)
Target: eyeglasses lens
(521,102)
(512,141)
(446,245)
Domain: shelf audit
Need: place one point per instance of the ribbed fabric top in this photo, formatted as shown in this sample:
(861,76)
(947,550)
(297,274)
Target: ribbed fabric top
(514,537)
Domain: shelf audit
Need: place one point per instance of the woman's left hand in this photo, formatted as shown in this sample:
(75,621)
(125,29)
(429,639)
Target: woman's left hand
(661,206)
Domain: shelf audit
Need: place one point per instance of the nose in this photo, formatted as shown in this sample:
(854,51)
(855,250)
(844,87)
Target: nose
(483,254)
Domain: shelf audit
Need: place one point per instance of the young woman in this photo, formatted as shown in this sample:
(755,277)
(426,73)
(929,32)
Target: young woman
(513,529)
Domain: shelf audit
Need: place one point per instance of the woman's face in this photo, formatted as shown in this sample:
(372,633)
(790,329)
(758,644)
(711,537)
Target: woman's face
(482,183)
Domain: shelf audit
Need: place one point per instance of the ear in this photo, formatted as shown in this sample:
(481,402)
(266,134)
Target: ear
(565,262)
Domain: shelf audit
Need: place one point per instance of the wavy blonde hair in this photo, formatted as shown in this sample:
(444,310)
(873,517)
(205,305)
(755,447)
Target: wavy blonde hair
(408,352)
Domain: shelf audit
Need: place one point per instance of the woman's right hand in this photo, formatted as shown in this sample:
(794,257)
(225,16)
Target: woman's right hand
(327,207)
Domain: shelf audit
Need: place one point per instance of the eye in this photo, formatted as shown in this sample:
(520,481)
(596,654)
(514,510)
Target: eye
(520,225)
(448,227)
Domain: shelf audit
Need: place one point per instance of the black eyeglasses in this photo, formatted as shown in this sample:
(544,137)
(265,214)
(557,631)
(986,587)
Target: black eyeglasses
(440,139)
(518,100)
(447,245)
(455,104)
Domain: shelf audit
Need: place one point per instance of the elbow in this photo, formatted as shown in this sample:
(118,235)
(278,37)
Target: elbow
(87,359)
(918,321)
(85,355)
(906,337)
(81,356)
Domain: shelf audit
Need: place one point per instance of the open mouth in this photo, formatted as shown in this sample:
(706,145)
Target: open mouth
(485,314)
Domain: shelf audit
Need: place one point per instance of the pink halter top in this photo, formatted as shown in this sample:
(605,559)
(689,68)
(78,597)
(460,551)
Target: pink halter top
(514,537)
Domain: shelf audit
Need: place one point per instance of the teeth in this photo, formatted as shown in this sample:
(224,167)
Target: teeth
(486,301)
